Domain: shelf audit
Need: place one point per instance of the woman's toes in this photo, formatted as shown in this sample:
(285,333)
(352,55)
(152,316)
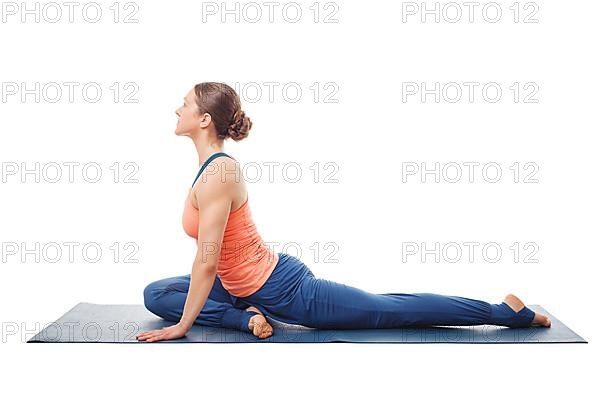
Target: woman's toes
(268,331)
(260,327)
(541,320)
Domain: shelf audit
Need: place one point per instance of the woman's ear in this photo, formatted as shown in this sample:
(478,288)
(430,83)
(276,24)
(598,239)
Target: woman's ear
(205,120)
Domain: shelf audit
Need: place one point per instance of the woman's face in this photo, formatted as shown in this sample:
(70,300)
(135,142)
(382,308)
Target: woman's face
(188,119)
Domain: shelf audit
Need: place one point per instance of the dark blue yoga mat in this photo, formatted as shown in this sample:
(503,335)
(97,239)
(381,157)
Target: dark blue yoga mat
(120,323)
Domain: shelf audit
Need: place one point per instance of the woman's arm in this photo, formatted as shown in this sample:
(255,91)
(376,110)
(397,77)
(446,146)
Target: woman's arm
(214,204)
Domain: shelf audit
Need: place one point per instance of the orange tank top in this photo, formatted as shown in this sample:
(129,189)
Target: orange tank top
(245,262)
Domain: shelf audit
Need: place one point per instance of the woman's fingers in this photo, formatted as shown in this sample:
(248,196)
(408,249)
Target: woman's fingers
(155,338)
(152,338)
(167,333)
(148,334)
(154,334)
(143,334)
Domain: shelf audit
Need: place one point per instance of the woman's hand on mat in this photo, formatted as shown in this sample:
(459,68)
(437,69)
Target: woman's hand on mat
(169,333)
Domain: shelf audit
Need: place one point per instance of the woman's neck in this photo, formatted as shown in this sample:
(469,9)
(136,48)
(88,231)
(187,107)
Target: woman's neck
(206,146)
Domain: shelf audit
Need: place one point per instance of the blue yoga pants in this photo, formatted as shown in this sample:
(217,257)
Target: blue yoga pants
(292,294)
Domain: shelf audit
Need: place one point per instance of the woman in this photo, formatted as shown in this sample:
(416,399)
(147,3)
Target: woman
(236,279)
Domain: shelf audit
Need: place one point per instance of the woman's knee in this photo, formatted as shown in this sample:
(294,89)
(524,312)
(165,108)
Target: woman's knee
(152,293)
(155,292)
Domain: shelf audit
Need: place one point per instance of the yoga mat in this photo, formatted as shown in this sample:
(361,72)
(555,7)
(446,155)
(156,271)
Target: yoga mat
(120,323)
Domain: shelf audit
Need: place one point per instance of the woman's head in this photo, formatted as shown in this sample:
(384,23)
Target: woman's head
(215,107)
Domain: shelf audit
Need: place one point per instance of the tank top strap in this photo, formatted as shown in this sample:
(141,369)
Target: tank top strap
(212,157)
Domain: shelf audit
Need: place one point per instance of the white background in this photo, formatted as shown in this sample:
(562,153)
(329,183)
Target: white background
(368,213)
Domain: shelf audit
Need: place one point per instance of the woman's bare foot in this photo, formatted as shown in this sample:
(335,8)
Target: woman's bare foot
(258,324)
(517,305)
